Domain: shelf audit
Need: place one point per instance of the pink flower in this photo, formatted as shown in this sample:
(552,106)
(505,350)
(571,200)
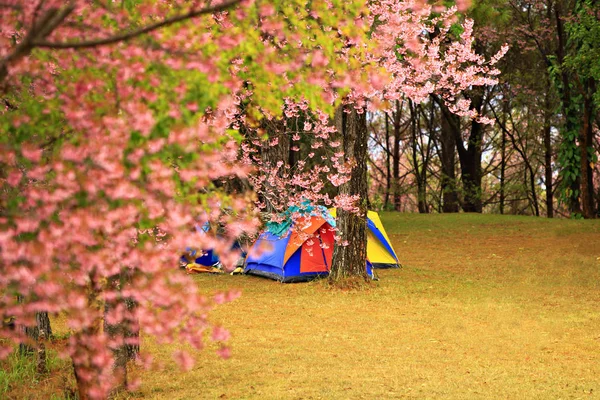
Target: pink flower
(31,153)
(224,352)
(219,334)
(319,59)
(185,361)
(14,177)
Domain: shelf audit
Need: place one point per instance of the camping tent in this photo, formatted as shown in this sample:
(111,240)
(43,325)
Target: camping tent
(302,253)
(379,248)
(205,260)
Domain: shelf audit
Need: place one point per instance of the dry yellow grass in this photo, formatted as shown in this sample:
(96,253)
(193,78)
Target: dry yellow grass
(485,307)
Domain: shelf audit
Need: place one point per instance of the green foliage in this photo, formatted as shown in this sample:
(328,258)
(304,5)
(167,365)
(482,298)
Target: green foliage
(584,37)
(19,370)
(582,64)
(569,158)
(490,13)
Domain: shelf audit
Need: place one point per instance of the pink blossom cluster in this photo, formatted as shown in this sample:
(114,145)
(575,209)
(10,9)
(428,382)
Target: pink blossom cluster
(119,185)
(411,53)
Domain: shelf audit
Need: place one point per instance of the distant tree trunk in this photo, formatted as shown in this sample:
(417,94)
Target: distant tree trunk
(417,165)
(521,148)
(470,162)
(534,201)
(132,333)
(471,179)
(569,110)
(388,177)
(293,156)
(505,111)
(123,331)
(548,155)
(84,348)
(40,359)
(42,322)
(586,144)
(502,171)
(598,201)
(396,156)
(348,265)
(448,159)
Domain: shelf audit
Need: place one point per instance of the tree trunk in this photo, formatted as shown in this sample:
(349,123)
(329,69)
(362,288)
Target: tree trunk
(117,332)
(132,334)
(388,177)
(448,159)
(570,113)
(348,265)
(292,125)
(521,148)
(598,201)
(470,162)
(471,180)
(534,199)
(84,350)
(42,322)
(548,157)
(396,157)
(419,174)
(40,359)
(470,159)
(586,144)
(123,332)
(502,172)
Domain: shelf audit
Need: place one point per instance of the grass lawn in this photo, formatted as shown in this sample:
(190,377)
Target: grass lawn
(485,307)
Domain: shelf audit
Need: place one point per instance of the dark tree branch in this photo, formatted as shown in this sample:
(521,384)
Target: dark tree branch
(16,7)
(40,29)
(123,37)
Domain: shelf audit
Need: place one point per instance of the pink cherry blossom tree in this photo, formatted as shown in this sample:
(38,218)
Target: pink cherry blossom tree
(411,52)
(121,119)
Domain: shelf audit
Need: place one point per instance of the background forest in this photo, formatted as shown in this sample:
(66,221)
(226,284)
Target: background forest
(537,157)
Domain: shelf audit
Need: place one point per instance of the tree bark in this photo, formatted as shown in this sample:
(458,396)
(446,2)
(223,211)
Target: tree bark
(388,177)
(40,359)
(586,144)
(548,156)
(84,350)
(396,157)
(418,167)
(122,332)
(42,322)
(571,115)
(348,265)
(470,160)
(471,181)
(502,171)
(521,148)
(448,159)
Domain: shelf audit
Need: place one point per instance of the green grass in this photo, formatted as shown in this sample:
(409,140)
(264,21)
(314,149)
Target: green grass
(19,380)
(22,370)
(485,307)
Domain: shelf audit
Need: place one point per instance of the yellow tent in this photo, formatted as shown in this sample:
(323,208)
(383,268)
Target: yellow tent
(379,248)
